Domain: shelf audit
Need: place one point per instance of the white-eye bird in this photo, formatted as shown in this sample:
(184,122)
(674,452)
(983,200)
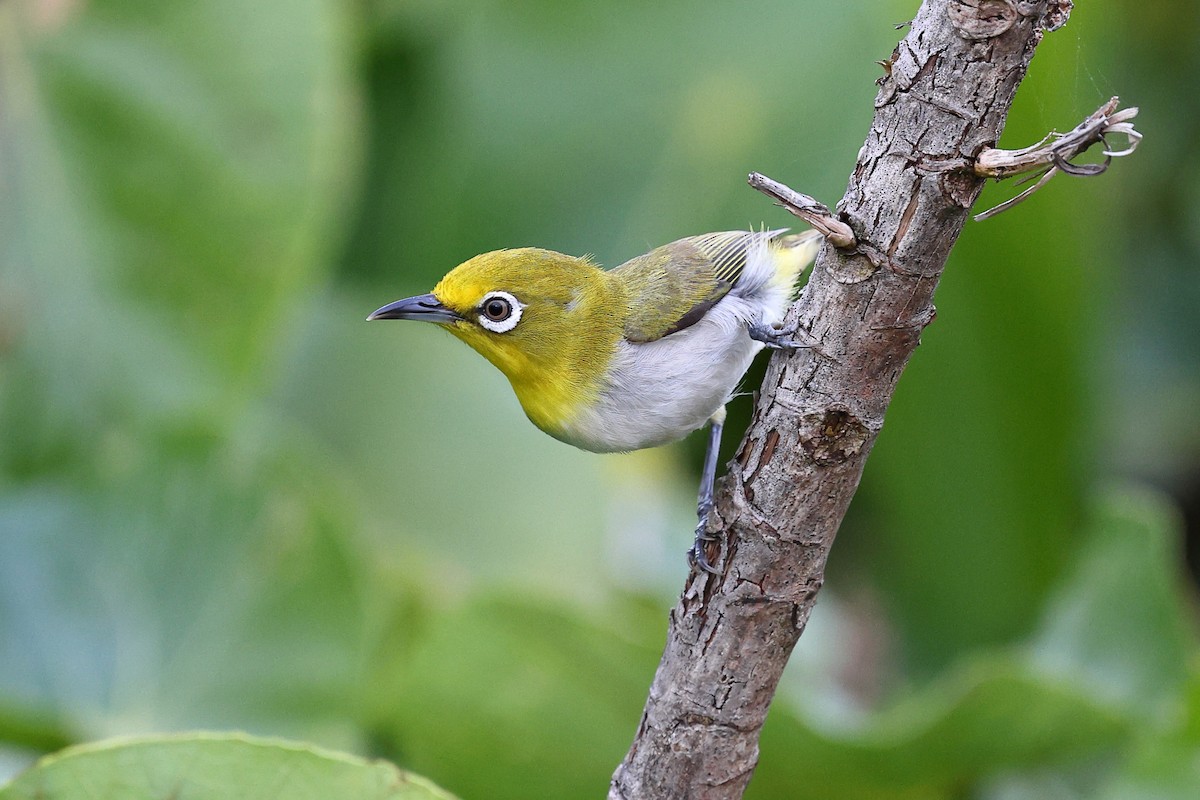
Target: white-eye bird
(632,357)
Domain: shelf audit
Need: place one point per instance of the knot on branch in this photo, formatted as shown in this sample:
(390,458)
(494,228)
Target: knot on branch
(832,436)
(1054,153)
(981,19)
(985,19)
(1057,14)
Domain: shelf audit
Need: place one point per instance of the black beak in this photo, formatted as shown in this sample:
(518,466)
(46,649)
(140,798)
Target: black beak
(423,307)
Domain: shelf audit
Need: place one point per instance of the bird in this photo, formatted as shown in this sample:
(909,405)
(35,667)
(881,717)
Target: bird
(632,357)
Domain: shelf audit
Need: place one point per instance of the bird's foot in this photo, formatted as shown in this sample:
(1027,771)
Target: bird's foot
(697,554)
(784,339)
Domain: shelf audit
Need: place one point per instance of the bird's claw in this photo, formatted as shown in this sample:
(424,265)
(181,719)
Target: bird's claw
(697,554)
(781,339)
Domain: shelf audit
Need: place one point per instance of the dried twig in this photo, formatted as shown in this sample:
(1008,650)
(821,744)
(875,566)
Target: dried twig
(1054,152)
(806,208)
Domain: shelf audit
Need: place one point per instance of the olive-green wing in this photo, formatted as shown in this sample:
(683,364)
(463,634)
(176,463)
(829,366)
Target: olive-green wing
(671,287)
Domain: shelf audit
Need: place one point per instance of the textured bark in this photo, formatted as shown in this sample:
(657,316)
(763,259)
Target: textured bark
(949,87)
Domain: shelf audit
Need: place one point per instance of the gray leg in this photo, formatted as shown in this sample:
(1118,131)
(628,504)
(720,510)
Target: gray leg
(705,502)
(780,339)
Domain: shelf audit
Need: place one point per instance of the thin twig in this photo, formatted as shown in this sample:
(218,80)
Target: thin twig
(1054,152)
(806,208)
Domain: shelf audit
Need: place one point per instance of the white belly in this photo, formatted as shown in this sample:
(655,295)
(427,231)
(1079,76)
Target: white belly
(663,390)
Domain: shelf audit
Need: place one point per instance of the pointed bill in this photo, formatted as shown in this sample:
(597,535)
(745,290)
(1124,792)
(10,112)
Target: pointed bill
(424,307)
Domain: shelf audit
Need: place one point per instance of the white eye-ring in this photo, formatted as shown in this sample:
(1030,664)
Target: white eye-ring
(500,312)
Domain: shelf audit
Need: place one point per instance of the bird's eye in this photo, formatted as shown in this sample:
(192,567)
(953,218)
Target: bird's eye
(497,309)
(499,312)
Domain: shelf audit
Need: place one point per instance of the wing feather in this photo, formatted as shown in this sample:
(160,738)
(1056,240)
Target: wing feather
(671,287)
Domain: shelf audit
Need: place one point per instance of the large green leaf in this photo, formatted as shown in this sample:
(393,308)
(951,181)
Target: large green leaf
(1119,624)
(1164,764)
(206,144)
(1121,628)
(203,590)
(77,363)
(170,175)
(213,767)
(508,698)
(983,718)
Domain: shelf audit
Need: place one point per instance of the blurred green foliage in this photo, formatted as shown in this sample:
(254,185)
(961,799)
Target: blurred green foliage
(226,502)
(225,766)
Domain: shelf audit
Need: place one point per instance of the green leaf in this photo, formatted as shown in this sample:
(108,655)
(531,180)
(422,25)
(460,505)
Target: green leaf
(76,360)
(209,145)
(171,174)
(1119,625)
(213,767)
(1164,763)
(981,718)
(198,590)
(508,698)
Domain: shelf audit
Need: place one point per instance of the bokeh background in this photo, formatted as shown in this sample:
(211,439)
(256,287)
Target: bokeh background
(227,502)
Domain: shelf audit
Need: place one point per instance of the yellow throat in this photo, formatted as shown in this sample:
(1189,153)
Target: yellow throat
(571,316)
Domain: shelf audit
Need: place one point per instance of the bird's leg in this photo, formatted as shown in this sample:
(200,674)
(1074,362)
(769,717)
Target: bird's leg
(781,339)
(705,502)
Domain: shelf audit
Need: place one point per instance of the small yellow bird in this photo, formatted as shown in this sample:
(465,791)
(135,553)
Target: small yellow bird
(632,357)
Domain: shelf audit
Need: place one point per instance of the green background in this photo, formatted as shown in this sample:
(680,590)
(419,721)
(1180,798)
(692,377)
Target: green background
(227,502)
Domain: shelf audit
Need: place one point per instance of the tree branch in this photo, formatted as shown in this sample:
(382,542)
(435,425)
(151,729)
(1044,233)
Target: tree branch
(947,92)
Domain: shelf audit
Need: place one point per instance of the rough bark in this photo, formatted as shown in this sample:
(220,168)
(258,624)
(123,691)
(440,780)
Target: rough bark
(949,87)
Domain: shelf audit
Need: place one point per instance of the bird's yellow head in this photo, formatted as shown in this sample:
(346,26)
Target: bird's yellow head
(550,322)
